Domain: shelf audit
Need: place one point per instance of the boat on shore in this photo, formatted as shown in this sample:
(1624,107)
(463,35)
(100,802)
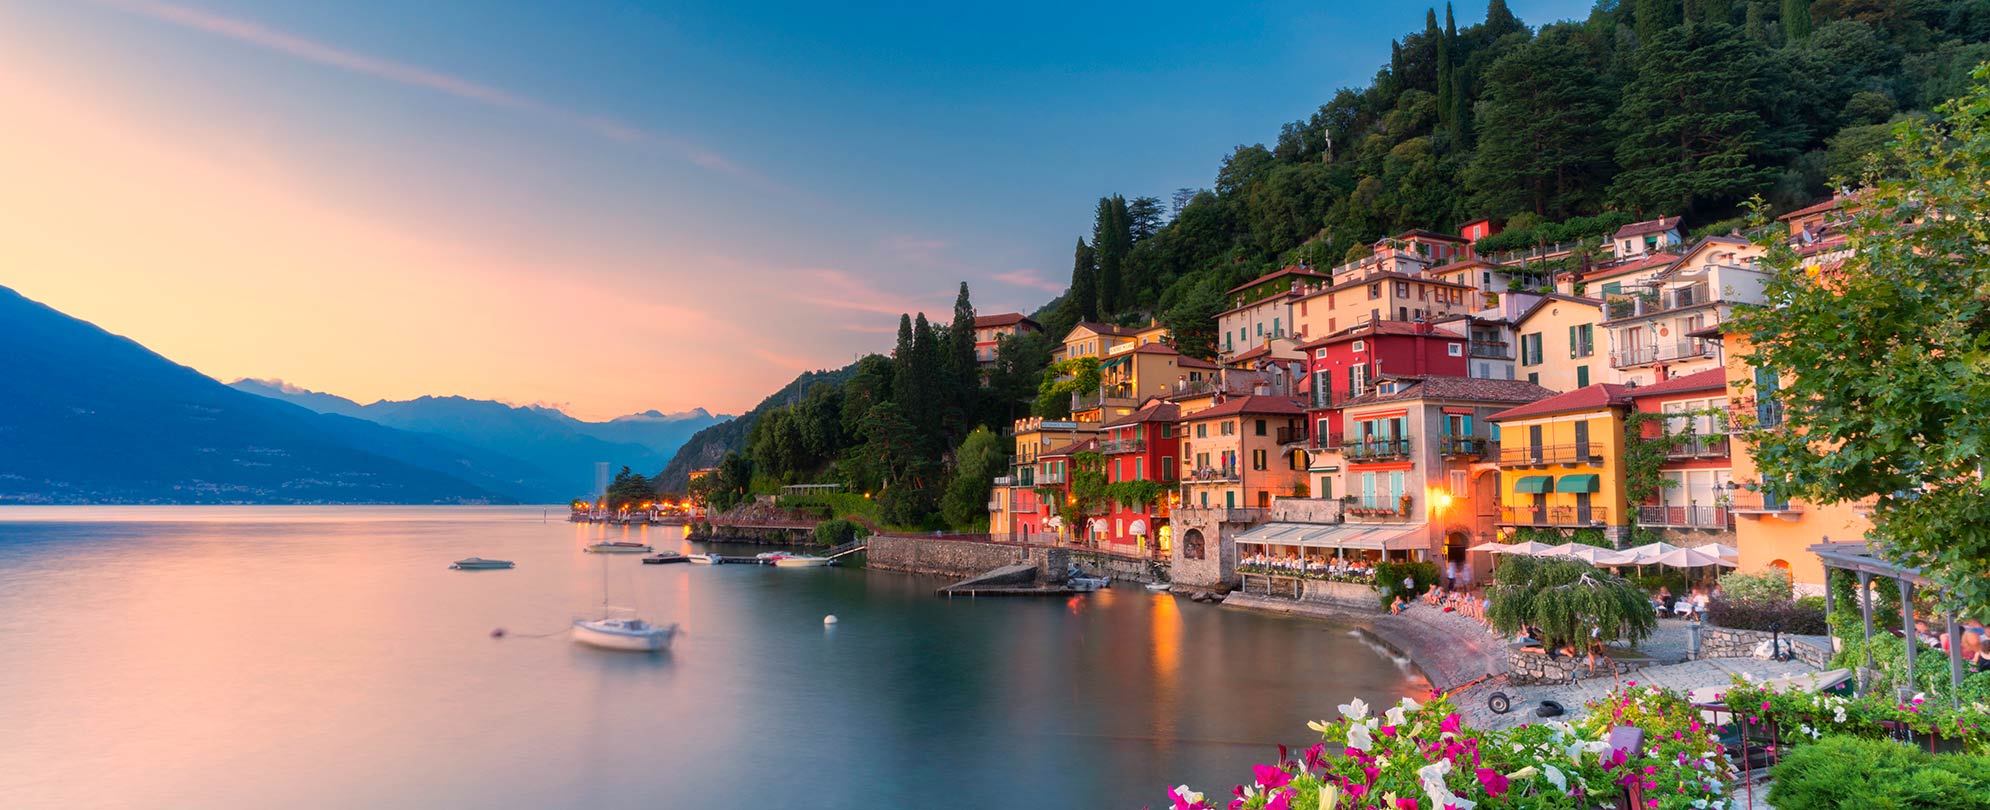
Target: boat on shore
(619,547)
(479,564)
(665,558)
(800,561)
(623,634)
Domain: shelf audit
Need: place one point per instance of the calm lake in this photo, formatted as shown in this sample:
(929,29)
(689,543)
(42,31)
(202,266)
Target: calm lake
(326,657)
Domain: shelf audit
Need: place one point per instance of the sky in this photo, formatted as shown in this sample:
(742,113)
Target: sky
(609,206)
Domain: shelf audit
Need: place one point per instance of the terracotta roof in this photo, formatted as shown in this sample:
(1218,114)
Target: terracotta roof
(1102,328)
(1294,271)
(1546,297)
(1420,233)
(1660,225)
(1003,319)
(1294,294)
(1186,361)
(1595,397)
(1472,389)
(1251,403)
(1708,380)
(1820,207)
(1460,265)
(1154,410)
(1641,263)
(1383,327)
(1080,446)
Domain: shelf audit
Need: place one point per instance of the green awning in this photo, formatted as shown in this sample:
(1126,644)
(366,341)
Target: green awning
(1535,483)
(1577,483)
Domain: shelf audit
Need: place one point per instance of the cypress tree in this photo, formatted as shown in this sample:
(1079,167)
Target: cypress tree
(1796,21)
(1446,114)
(962,366)
(1112,238)
(1083,297)
(927,378)
(1500,20)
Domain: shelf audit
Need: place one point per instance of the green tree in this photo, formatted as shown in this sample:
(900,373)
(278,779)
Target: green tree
(1654,17)
(1083,296)
(1112,239)
(1872,372)
(1192,318)
(629,489)
(978,461)
(963,369)
(1542,145)
(1061,380)
(1012,383)
(1691,132)
(727,486)
(1500,20)
(1796,20)
(1568,599)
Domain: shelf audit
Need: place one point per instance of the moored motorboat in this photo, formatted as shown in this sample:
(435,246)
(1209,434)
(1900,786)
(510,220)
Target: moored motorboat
(619,547)
(1087,583)
(703,559)
(479,564)
(766,557)
(1159,587)
(665,558)
(800,561)
(623,634)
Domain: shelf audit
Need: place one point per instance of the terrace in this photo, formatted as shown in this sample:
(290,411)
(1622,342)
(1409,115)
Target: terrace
(1554,515)
(1589,453)
(1661,352)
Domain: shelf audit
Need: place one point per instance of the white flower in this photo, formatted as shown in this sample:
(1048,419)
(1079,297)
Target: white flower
(1320,726)
(1555,777)
(1432,778)
(1355,709)
(1395,716)
(1188,796)
(1838,716)
(1357,737)
(1523,773)
(1329,795)
(1410,705)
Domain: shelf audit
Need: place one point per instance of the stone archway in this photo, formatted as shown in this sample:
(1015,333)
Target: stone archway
(1192,545)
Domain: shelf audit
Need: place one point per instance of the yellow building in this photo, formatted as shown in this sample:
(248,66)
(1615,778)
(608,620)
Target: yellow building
(1560,343)
(1561,462)
(1094,339)
(1131,373)
(1243,452)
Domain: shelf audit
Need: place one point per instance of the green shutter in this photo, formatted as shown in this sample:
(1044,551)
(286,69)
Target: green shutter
(1582,376)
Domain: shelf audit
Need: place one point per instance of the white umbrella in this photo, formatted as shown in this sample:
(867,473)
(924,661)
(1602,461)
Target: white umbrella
(1492,548)
(1594,555)
(1721,550)
(1690,558)
(1529,548)
(1653,549)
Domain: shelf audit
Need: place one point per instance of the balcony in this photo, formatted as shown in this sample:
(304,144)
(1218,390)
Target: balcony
(1762,503)
(1245,515)
(1050,479)
(1712,445)
(1685,517)
(1331,441)
(1002,481)
(1554,515)
(1646,303)
(1541,455)
(1293,434)
(1687,349)
(1491,349)
(1379,512)
(1210,475)
(1373,450)
(1466,447)
(1135,445)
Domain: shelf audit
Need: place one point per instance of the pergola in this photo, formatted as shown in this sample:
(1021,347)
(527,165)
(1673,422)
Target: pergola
(1857,558)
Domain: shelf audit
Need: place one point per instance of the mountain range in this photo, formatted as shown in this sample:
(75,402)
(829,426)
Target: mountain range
(87,416)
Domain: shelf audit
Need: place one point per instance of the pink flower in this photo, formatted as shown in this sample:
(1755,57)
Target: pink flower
(1281,800)
(1388,731)
(1405,804)
(1315,757)
(1271,776)
(1494,783)
(1451,723)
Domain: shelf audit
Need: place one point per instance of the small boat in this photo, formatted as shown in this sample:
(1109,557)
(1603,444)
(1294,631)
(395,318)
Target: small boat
(665,558)
(800,561)
(770,556)
(704,559)
(1087,583)
(623,634)
(479,564)
(1159,587)
(619,547)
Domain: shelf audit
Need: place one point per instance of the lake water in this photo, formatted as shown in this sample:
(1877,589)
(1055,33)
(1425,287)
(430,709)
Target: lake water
(326,657)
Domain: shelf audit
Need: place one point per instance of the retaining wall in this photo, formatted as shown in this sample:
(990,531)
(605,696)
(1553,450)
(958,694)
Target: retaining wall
(1722,642)
(1527,668)
(953,558)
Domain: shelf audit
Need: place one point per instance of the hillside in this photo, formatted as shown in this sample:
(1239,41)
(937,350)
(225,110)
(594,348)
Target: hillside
(91,417)
(707,446)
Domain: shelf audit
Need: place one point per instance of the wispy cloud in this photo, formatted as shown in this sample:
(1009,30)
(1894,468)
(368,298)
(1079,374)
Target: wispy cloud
(840,290)
(1030,277)
(261,36)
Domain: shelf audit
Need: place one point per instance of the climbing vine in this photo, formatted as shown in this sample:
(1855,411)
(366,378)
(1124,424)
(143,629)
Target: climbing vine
(1643,456)
(1134,493)
(1086,488)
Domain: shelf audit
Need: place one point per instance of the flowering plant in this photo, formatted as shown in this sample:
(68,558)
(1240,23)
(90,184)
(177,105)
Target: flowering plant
(1416,756)
(1798,715)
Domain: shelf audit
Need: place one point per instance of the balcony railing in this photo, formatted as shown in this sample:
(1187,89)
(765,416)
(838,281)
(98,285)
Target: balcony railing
(1376,450)
(1712,445)
(1761,503)
(1211,474)
(1002,481)
(1221,514)
(1292,434)
(1648,302)
(1048,479)
(1378,512)
(1331,441)
(1661,352)
(1685,517)
(1466,446)
(1136,445)
(1554,515)
(1494,349)
(1591,453)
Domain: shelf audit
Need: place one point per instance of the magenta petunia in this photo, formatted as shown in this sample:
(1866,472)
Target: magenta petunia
(1494,782)
(1271,776)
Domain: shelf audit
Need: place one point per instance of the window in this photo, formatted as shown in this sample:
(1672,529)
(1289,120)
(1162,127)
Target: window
(1402,289)
(1227,428)
(1360,346)
(1375,291)
(1768,412)
(1326,488)
(1457,424)
(1296,459)
(1530,349)
(1202,430)
(1458,485)
(1582,376)
(1192,545)
(1257,459)
(1167,468)
(1319,354)
(1485,279)
(1534,377)
(1260,329)
(1274,327)
(1357,380)
(1139,468)
(1613,288)
(1454,349)
(1260,427)
(1582,340)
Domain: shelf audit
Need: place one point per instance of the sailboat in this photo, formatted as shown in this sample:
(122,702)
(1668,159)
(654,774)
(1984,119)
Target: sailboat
(621,632)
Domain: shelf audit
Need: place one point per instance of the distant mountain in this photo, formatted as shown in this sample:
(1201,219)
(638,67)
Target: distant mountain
(90,417)
(707,446)
(561,448)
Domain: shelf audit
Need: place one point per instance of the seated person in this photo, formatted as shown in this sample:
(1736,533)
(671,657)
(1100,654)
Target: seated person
(1396,605)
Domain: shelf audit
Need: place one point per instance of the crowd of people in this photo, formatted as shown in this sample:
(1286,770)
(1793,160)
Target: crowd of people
(1974,645)
(1319,567)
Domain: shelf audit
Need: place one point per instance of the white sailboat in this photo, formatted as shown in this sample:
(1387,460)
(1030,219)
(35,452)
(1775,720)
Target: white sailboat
(621,632)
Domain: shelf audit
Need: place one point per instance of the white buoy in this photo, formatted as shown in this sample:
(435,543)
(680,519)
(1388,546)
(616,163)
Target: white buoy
(829,619)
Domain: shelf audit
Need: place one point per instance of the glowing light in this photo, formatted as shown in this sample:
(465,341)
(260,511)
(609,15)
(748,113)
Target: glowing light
(1440,500)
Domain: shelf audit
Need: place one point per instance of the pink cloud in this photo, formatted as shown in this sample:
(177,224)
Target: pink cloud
(1029,277)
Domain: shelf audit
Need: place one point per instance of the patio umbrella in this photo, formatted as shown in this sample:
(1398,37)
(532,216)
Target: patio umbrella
(1691,558)
(1492,548)
(1529,548)
(1721,550)
(1594,555)
(1652,550)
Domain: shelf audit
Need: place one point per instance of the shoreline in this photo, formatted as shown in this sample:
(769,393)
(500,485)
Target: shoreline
(1448,651)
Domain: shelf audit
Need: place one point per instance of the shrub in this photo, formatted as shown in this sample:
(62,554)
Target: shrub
(1389,579)
(1568,599)
(1855,774)
(1784,617)
(835,532)
(1768,586)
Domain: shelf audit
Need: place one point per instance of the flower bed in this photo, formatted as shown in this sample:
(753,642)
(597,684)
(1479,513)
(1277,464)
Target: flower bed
(1798,716)
(1324,576)
(1422,757)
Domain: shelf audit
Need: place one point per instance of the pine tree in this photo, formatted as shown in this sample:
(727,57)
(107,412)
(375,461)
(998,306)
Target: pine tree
(1692,137)
(1112,239)
(1083,297)
(1752,25)
(1543,146)
(1653,18)
(1796,21)
(1446,112)
(1500,20)
(929,380)
(963,368)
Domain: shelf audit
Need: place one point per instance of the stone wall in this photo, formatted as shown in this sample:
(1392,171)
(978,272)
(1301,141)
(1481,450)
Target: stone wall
(1349,595)
(1722,642)
(953,558)
(1528,668)
(1216,569)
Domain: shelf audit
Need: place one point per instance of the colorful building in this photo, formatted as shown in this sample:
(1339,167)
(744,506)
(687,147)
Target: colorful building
(1343,365)
(1142,446)
(1560,462)
(990,329)
(1261,309)
(1651,322)
(1645,238)
(1129,374)
(1243,451)
(1053,490)
(1692,505)
(1024,510)
(1489,279)
(1380,296)
(1560,342)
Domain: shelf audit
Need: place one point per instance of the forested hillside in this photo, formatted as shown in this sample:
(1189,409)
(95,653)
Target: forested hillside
(706,447)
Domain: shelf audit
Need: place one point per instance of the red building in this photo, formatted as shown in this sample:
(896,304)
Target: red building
(1343,365)
(1053,487)
(1141,446)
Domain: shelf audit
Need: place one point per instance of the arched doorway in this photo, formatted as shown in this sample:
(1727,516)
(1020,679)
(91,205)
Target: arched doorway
(1192,544)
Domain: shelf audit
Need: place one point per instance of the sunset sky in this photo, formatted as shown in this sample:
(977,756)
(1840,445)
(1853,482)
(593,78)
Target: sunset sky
(609,206)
